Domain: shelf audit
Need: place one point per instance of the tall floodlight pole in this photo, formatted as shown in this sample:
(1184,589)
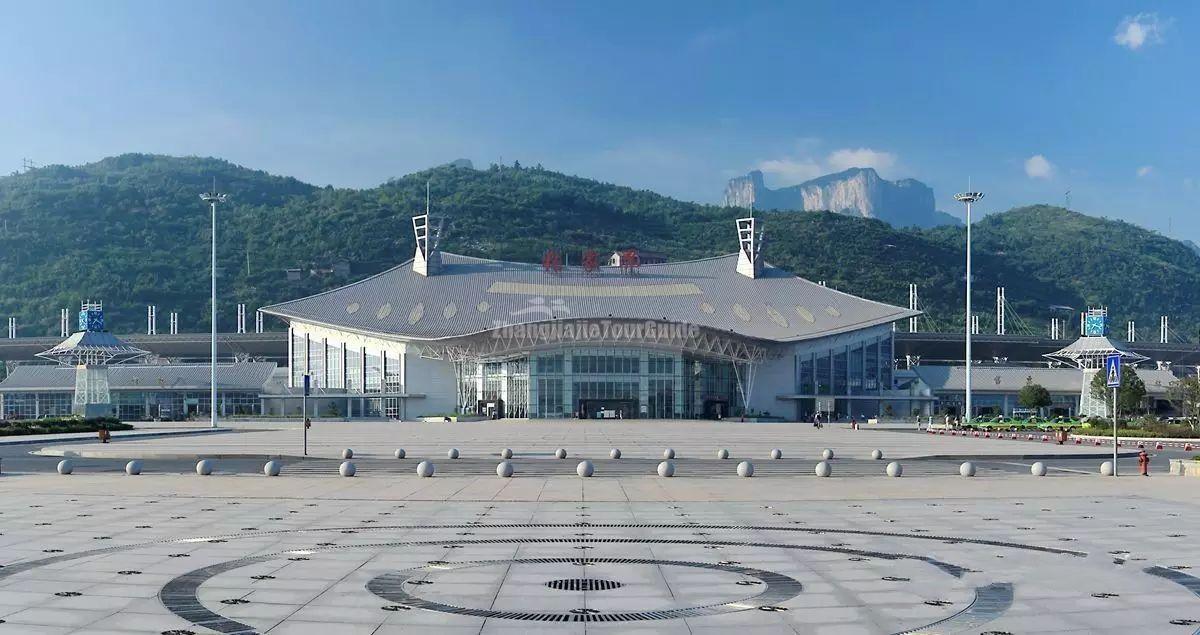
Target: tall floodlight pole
(213,197)
(968,198)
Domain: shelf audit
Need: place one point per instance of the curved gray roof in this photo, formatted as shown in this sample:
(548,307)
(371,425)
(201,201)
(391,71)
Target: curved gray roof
(472,295)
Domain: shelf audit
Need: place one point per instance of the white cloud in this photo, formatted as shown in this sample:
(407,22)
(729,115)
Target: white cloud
(1145,170)
(847,158)
(1038,167)
(1136,31)
(792,170)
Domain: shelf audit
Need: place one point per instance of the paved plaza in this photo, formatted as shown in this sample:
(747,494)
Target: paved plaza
(625,551)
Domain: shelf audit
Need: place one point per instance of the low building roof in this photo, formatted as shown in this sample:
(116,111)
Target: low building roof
(1013,378)
(245,376)
(473,295)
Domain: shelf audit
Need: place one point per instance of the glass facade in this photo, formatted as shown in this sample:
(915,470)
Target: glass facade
(134,405)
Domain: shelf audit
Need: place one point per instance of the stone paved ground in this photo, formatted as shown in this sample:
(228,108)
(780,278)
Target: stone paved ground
(388,553)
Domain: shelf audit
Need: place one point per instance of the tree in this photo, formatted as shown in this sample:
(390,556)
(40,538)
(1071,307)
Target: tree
(1034,396)
(1184,394)
(1130,394)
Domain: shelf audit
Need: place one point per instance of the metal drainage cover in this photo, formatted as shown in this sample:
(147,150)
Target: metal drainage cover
(583,584)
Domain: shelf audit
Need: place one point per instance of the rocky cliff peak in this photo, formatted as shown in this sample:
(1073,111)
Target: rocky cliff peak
(856,191)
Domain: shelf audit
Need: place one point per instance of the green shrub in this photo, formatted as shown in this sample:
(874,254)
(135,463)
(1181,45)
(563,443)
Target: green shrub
(60,425)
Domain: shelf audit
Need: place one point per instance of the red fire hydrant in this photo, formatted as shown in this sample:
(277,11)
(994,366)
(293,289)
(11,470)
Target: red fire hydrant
(1144,463)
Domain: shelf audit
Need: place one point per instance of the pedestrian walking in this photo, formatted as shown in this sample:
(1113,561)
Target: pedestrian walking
(1144,463)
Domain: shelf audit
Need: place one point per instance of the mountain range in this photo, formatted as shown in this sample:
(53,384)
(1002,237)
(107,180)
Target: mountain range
(856,191)
(130,230)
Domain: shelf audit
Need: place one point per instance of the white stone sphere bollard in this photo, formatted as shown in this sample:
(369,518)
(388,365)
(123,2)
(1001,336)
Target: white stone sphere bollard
(894,469)
(668,454)
(776,454)
(666,469)
(614,454)
(133,468)
(745,469)
(204,467)
(585,469)
(722,454)
(506,453)
(425,469)
(66,466)
(823,470)
(504,469)
(452,453)
(272,468)
(967,469)
(400,453)
(560,453)
(347,454)
(877,454)
(347,468)
(1038,469)
(827,454)
(1106,468)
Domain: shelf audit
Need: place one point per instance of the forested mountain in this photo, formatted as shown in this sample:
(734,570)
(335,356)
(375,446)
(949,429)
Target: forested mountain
(131,231)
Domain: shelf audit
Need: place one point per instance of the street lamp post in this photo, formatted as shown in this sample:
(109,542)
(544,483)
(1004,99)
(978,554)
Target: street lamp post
(968,198)
(213,197)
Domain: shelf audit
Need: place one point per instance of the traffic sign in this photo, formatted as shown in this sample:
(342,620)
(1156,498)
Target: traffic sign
(1112,371)
(307,385)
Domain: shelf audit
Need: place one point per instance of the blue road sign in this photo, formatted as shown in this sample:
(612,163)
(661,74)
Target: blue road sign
(307,385)
(1112,371)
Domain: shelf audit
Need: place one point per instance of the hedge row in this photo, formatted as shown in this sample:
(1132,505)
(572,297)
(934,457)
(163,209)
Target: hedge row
(58,425)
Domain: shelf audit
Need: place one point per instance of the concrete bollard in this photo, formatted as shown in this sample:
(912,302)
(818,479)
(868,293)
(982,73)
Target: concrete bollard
(452,453)
(347,468)
(666,469)
(204,467)
(585,469)
(560,453)
(614,453)
(1106,468)
(66,466)
(876,454)
(134,467)
(347,454)
(823,470)
(668,454)
(895,470)
(1038,469)
(272,468)
(776,454)
(745,469)
(966,469)
(400,453)
(425,469)
(827,454)
(504,469)
(506,453)
(722,454)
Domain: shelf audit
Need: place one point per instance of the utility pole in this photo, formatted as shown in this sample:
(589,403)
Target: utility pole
(213,197)
(968,198)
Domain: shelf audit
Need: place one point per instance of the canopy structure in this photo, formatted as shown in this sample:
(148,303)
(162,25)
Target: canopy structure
(93,348)
(1087,354)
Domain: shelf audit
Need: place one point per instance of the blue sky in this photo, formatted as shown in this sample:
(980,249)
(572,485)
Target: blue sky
(1027,99)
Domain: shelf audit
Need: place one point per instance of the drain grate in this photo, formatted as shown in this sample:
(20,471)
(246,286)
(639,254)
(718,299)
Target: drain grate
(583,584)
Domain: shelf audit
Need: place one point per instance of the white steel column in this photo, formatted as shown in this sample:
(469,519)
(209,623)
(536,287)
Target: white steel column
(968,198)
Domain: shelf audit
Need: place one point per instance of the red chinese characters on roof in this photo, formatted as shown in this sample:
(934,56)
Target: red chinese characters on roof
(630,262)
(591,261)
(552,261)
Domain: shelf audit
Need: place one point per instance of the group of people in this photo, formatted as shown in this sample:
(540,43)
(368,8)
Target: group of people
(818,423)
